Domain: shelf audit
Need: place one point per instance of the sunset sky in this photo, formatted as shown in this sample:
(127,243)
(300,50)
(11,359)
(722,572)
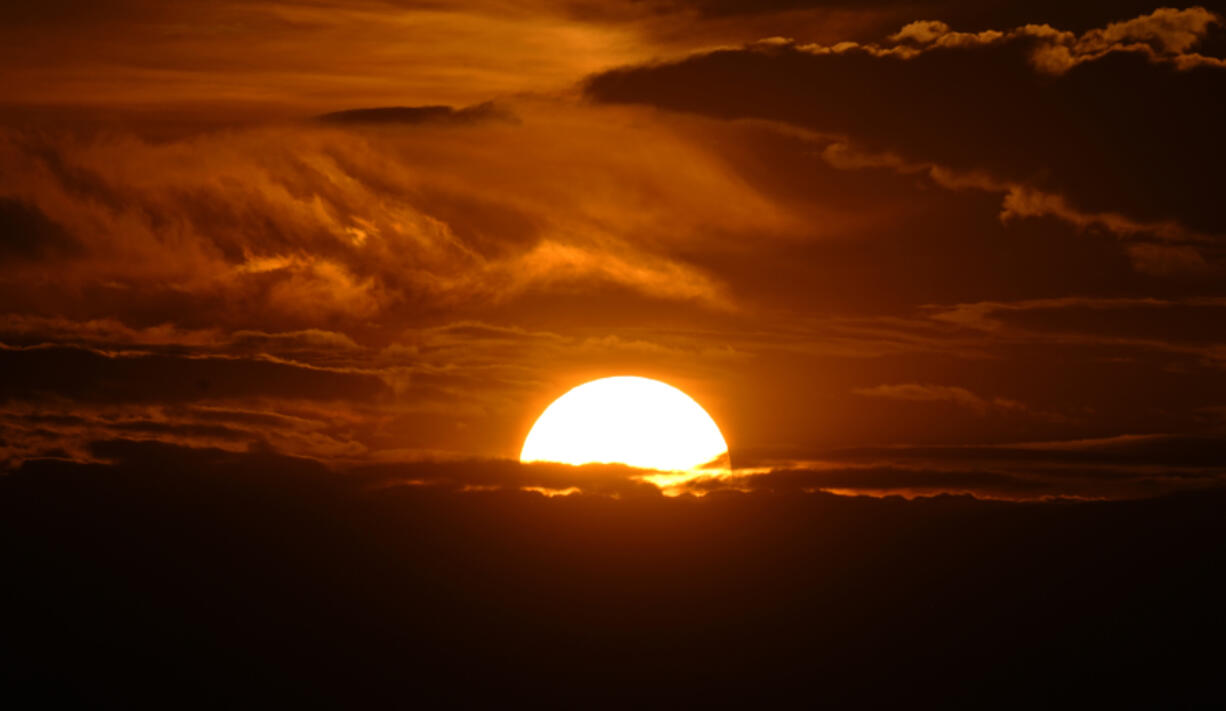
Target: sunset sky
(890,246)
(913,248)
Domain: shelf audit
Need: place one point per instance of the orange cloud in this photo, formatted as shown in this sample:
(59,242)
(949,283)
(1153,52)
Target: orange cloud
(302,221)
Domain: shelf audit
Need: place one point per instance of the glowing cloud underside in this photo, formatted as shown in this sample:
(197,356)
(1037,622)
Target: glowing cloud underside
(628,420)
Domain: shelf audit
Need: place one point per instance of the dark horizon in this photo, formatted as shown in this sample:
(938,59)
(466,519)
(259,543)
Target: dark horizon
(206,578)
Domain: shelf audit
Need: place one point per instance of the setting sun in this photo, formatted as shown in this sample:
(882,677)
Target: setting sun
(638,422)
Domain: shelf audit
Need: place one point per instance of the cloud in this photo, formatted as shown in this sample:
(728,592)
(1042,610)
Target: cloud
(1173,322)
(464,476)
(1199,455)
(27,234)
(941,393)
(471,388)
(1167,32)
(1116,467)
(899,481)
(1165,35)
(1123,467)
(89,376)
(1163,248)
(307,222)
(418,114)
(458,389)
(1165,260)
(975,102)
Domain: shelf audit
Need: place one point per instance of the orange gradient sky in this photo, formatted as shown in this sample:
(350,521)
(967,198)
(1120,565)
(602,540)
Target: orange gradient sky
(890,247)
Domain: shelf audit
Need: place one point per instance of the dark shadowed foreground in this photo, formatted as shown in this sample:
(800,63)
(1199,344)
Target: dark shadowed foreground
(185,576)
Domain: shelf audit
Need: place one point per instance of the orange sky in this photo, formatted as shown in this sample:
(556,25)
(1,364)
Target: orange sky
(891,247)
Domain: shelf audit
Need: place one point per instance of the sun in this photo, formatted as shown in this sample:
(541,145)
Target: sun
(629,420)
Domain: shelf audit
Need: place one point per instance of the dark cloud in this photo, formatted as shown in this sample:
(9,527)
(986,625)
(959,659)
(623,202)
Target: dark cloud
(897,480)
(1159,320)
(1078,16)
(503,474)
(1122,467)
(1206,452)
(139,456)
(26,233)
(384,115)
(960,397)
(1119,132)
(181,431)
(83,375)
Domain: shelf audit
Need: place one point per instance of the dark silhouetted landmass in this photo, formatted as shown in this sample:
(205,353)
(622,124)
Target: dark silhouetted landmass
(183,576)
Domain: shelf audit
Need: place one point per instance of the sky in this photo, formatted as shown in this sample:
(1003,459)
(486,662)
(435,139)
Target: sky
(891,247)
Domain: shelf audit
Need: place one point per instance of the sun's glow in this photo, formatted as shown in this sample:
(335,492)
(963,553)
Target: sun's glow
(638,422)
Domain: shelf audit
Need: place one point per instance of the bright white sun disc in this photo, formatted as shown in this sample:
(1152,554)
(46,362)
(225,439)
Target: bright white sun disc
(628,420)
